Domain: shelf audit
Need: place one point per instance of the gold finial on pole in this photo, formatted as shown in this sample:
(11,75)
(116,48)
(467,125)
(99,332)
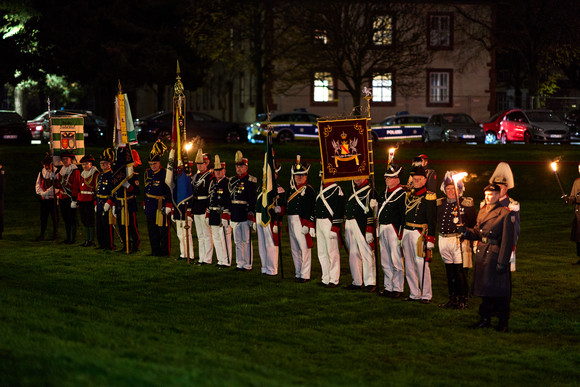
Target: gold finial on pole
(119,86)
(368,97)
(178,88)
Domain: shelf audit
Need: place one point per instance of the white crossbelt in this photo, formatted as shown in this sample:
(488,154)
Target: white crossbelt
(323,198)
(360,203)
(388,199)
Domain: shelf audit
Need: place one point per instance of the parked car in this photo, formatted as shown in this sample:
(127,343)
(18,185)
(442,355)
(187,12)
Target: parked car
(159,126)
(572,120)
(453,127)
(532,126)
(13,128)
(299,125)
(95,127)
(400,126)
(491,127)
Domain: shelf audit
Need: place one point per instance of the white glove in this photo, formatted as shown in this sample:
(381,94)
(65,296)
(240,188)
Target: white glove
(207,221)
(253,225)
(106,207)
(374,204)
(95,209)
(225,223)
(114,209)
(167,210)
(369,237)
(304,230)
(430,245)
(275,229)
(313,233)
(126,184)
(143,208)
(333,235)
(73,205)
(277,209)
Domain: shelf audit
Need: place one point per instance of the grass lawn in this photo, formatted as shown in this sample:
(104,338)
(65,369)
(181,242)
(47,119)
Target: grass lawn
(74,316)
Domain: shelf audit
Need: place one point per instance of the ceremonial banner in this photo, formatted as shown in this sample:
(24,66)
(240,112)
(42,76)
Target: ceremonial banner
(269,186)
(67,135)
(124,122)
(344,149)
(122,167)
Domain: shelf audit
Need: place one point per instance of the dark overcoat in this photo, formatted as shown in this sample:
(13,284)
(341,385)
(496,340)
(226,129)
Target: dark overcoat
(574,199)
(495,231)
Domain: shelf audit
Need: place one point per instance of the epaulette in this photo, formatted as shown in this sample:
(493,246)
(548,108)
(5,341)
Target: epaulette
(253,179)
(440,201)
(514,205)
(467,202)
(430,196)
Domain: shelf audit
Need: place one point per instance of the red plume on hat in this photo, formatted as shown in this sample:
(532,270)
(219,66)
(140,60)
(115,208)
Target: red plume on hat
(136,158)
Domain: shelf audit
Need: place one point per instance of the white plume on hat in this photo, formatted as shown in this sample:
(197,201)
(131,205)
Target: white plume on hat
(503,175)
(448,180)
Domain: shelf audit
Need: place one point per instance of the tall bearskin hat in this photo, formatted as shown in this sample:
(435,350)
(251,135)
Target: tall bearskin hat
(157,151)
(448,180)
(300,168)
(240,159)
(88,159)
(218,165)
(393,170)
(503,175)
(108,155)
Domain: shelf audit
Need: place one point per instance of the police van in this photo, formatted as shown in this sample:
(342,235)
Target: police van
(402,126)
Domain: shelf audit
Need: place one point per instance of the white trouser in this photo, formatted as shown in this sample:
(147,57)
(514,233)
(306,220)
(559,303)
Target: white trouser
(360,255)
(414,266)
(301,254)
(266,247)
(183,240)
(222,244)
(328,251)
(391,258)
(450,249)
(244,249)
(203,238)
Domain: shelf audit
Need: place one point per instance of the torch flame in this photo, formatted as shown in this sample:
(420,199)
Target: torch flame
(458,176)
(188,146)
(554,166)
(391,154)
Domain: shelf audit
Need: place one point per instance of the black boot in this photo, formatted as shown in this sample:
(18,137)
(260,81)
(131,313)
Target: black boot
(452,303)
(483,323)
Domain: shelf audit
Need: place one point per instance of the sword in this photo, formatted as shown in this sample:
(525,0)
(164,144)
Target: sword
(226,243)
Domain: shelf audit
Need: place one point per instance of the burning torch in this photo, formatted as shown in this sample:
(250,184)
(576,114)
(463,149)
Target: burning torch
(456,178)
(391,155)
(554,166)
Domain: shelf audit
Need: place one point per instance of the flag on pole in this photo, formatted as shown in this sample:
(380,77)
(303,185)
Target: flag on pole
(67,135)
(344,149)
(125,131)
(269,186)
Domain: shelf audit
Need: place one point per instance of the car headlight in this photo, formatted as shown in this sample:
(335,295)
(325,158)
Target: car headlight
(538,130)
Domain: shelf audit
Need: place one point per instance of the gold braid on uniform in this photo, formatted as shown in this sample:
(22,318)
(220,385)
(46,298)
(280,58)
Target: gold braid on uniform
(411,202)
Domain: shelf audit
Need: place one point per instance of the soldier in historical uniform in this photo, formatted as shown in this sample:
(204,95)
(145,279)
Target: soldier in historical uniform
(495,233)
(126,209)
(419,236)
(104,216)
(68,180)
(200,202)
(45,186)
(574,199)
(455,252)
(155,202)
(504,177)
(422,161)
(300,209)
(359,231)
(242,188)
(218,214)
(269,235)
(391,218)
(86,198)
(328,214)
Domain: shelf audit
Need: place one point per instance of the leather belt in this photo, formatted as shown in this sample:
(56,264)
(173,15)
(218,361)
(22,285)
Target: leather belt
(414,226)
(239,202)
(87,192)
(201,197)
(215,208)
(452,235)
(490,241)
(104,196)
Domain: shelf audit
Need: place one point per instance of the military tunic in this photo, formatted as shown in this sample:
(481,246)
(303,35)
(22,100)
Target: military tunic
(218,216)
(243,199)
(128,217)
(45,186)
(419,228)
(154,203)
(300,209)
(391,217)
(104,218)
(68,180)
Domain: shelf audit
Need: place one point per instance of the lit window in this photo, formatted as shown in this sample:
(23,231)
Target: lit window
(439,91)
(382,87)
(383,30)
(440,27)
(323,86)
